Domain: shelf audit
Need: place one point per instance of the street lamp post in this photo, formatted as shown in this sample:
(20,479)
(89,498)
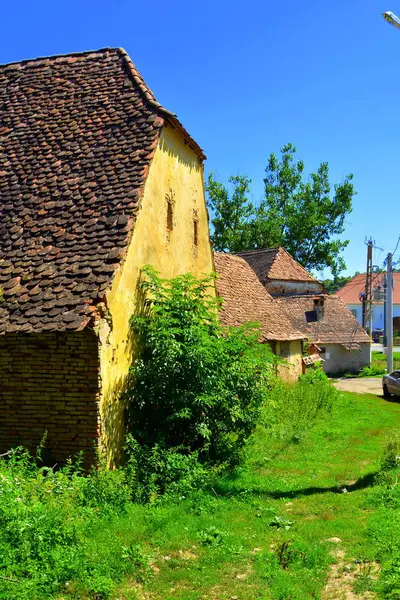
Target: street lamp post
(391,18)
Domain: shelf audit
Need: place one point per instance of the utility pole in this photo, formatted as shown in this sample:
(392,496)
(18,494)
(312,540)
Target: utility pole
(367,298)
(389,314)
(385,311)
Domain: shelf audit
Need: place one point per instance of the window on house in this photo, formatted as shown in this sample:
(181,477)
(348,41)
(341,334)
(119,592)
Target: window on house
(354,312)
(195,232)
(284,349)
(170,215)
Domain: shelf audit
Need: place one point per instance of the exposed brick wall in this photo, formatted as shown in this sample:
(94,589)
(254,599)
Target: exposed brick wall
(49,382)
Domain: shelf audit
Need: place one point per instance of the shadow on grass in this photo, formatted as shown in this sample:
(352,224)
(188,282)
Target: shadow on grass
(363,482)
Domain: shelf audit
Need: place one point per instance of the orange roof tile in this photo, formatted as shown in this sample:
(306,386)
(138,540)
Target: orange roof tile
(245,299)
(276,264)
(337,326)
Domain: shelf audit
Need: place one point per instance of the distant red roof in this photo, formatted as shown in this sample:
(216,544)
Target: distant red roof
(350,293)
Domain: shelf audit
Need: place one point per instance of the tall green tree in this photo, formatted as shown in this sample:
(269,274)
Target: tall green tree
(304,215)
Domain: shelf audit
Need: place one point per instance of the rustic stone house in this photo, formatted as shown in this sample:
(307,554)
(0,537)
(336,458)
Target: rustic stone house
(244,300)
(324,320)
(96,180)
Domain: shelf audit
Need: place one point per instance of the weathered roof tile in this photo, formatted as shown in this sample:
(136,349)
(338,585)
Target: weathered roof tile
(275,264)
(244,299)
(77,133)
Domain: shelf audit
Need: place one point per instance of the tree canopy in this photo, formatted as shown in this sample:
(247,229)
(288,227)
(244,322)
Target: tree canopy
(304,215)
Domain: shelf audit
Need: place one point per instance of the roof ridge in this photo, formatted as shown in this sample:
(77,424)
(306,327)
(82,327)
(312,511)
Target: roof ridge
(27,61)
(257,250)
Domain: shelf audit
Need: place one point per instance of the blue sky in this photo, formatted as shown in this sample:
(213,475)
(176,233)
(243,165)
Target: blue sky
(247,77)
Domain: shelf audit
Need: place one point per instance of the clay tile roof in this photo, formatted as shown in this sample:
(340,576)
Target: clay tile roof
(244,299)
(350,293)
(77,134)
(337,326)
(276,264)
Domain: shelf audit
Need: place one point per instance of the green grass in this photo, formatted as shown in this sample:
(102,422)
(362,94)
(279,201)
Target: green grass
(261,533)
(320,486)
(379,359)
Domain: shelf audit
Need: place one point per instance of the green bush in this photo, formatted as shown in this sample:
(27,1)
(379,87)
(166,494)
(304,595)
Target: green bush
(314,374)
(46,520)
(294,570)
(155,471)
(197,387)
(372,371)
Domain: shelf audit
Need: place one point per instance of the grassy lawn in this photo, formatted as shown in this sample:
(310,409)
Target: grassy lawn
(264,532)
(301,509)
(379,359)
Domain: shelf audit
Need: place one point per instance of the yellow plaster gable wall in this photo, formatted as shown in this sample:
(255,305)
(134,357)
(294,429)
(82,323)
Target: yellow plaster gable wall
(175,177)
(290,370)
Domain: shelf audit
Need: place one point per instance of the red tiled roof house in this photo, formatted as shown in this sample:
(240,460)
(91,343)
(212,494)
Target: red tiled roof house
(96,180)
(351,296)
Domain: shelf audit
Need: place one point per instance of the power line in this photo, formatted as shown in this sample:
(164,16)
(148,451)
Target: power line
(397,245)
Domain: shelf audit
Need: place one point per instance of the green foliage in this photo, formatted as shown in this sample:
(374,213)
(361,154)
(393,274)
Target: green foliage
(372,371)
(377,369)
(294,569)
(210,537)
(217,541)
(46,520)
(314,374)
(335,284)
(155,471)
(303,216)
(197,386)
(293,409)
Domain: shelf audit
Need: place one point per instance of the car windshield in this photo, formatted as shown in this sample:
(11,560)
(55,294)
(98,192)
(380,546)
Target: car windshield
(395,375)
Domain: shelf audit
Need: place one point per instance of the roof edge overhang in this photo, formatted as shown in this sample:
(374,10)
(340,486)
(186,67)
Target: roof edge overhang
(167,114)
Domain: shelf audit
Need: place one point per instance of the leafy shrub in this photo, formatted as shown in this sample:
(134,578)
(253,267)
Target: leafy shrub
(210,537)
(197,387)
(372,371)
(47,518)
(155,471)
(387,480)
(314,374)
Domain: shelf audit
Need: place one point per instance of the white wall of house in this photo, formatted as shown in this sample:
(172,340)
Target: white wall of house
(280,287)
(377,314)
(339,360)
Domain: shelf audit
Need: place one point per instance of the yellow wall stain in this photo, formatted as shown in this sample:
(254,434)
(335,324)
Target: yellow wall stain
(171,233)
(290,370)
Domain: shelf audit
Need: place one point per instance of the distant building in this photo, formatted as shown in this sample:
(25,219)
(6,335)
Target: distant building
(351,296)
(324,320)
(244,299)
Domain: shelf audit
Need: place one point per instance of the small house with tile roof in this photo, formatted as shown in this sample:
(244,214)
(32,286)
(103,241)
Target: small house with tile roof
(280,273)
(244,299)
(324,320)
(97,179)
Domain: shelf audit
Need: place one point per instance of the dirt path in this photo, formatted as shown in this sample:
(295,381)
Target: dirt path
(361,385)
(343,575)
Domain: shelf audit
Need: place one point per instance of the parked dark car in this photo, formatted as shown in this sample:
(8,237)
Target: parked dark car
(376,334)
